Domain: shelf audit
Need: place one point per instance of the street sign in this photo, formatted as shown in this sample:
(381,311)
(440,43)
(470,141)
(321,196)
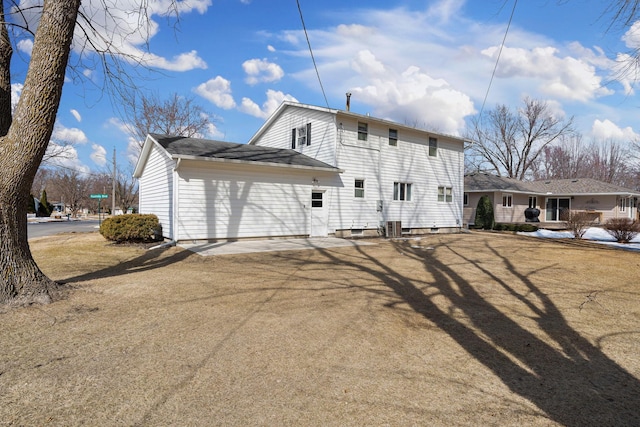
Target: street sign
(99,196)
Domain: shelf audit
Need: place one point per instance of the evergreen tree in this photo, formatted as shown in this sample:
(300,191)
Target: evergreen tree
(484,214)
(31,205)
(45,208)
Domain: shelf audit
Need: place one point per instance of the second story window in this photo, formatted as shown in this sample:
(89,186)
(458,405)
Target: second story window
(433,147)
(301,136)
(393,137)
(363,131)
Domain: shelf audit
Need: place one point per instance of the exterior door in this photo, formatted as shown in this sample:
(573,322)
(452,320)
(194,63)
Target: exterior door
(318,214)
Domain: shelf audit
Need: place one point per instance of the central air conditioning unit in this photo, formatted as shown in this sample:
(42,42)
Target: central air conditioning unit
(394,229)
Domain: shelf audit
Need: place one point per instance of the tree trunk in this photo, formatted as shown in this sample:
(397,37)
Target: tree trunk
(24,144)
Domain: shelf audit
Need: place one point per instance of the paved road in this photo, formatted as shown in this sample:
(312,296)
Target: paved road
(41,229)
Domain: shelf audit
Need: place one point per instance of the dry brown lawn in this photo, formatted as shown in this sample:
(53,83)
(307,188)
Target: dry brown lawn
(452,330)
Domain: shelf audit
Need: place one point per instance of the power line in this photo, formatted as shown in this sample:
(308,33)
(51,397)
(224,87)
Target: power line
(311,52)
(498,58)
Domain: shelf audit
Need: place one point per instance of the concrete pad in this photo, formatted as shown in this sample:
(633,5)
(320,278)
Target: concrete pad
(249,246)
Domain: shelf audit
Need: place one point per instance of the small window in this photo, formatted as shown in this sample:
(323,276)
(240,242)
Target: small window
(466,199)
(316,200)
(533,201)
(393,137)
(445,194)
(359,188)
(301,136)
(433,147)
(402,191)
(363,131)
(623,204)
(507,200)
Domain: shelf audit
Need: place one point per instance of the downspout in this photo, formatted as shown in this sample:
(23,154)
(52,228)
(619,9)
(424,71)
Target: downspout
(176,207)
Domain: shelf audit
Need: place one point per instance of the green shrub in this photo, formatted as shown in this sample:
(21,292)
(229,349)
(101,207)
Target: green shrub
(131,228)
(484,214)
(515,227)
(622,229)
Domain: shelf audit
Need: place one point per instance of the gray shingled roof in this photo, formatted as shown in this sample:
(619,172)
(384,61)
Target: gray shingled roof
(488,182)
(180,146)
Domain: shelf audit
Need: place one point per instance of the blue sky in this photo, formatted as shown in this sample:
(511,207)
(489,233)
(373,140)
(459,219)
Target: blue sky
(427,63)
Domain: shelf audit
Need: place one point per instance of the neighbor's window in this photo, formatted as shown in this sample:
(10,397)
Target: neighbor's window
(359,188)
(402,191)
(433,146)
(445,194)
(623,204)
(363,131)
(393,137)
(533,201)
(465,197)
(507,200)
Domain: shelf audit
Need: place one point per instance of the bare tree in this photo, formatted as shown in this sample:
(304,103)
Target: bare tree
(568,159)
(72,189)
(25,135)
(510,143)
(176,115)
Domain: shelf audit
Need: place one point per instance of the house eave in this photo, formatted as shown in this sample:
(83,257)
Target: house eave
(245,162)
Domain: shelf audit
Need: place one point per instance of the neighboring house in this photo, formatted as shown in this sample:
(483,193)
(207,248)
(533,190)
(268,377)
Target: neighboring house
(308,171)
(510,197)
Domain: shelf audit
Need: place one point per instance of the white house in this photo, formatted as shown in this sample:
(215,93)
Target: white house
(308,171)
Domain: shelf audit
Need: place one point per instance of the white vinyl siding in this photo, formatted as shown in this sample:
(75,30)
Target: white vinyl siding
(241,201)
(381,165)
(321,126)
(156,189)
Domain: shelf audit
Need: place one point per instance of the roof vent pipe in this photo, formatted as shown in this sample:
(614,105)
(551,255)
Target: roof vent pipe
(348,101)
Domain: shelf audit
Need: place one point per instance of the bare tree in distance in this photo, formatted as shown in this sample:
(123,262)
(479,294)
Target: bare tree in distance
(25,134)
(509,143)
(175,115)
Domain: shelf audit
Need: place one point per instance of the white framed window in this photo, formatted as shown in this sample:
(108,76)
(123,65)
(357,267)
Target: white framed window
(402,191)
(393,137)
(533,201)
(301,136)
(363,131)
(359,189)
(433,147)
(507,200)
(445,194)
(622,205)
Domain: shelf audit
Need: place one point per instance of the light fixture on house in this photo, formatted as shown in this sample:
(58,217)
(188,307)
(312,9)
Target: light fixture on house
(315,181)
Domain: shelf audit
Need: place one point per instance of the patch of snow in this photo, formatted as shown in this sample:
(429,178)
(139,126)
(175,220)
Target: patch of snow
(595,234)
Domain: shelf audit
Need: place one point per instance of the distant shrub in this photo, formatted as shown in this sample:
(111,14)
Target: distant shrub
(484,214)
(131,228)
(515,227)
(577,222)
(622,229)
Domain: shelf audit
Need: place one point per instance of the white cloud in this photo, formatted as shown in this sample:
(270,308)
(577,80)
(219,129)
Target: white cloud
(76,114)
(218,91)
(16,91)
(25,46)
(274,99)
(271,48)
(410,97)
(98,155)
(562,77)
(606,129)
(66,156)
(261,71)
(68,135)
(124,30)
(632,37)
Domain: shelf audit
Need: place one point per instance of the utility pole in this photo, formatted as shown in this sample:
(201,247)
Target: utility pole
(113,188)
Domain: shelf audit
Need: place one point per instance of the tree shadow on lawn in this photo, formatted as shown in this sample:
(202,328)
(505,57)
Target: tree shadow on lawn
(151,259)
(575,383)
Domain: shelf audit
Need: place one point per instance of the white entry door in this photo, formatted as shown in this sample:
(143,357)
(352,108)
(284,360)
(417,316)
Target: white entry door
(318,214)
